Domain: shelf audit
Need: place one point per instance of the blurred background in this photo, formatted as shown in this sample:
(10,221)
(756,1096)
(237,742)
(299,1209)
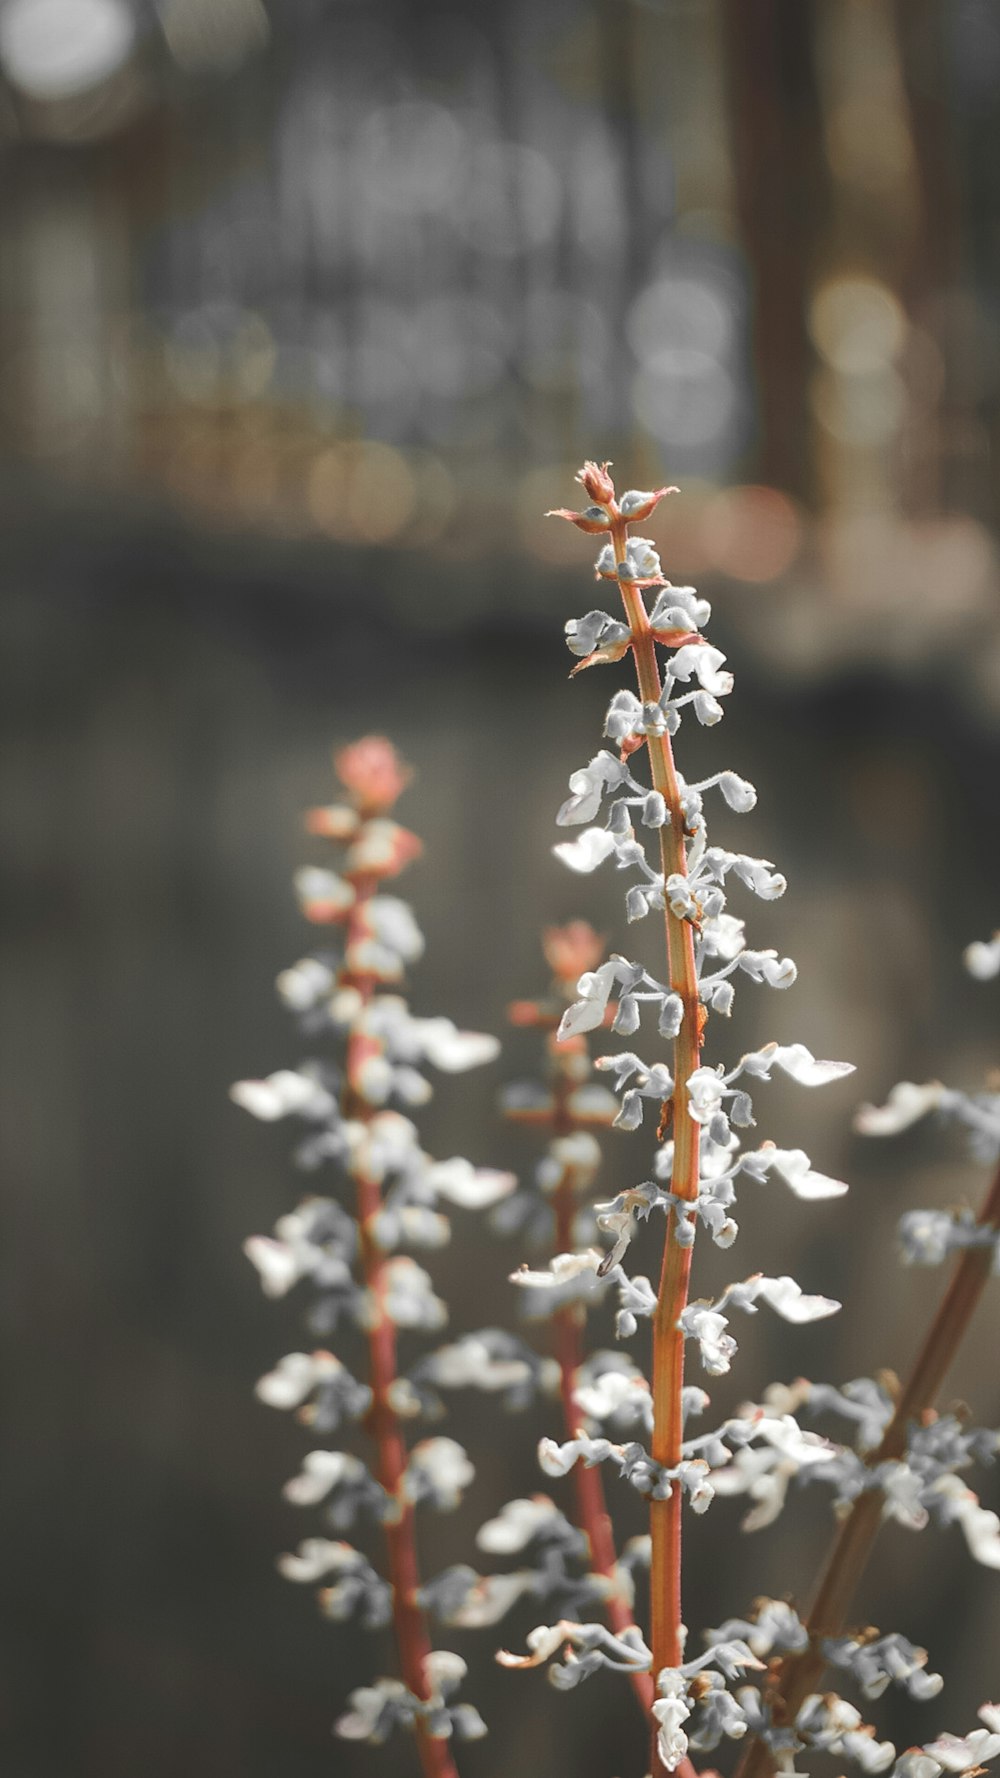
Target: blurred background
(309,311)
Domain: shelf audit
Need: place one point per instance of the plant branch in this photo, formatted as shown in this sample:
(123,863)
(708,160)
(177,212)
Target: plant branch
(855,1538)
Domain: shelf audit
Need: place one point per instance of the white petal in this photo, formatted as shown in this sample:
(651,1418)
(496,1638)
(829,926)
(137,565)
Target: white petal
(793,1168)
(515,1525)
(316,1557)
(277,1264)
(906,1105)
(452,1050)
(588,850)
(321,1470)
(474,1188)
(292,1378)
(787,1299)
(795,1060)
(323,889)
(281,1095)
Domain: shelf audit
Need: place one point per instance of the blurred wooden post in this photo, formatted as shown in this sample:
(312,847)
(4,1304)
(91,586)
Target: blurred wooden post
(782,204)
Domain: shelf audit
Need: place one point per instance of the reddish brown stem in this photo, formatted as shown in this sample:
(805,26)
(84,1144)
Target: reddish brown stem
(410,1625)
(856,1535)
(668,1339)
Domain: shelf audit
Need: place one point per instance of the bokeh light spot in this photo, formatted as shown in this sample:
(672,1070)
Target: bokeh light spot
(751,533)
(55,49)
(857,324)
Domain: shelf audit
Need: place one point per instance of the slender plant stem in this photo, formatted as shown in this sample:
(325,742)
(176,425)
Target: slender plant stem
(856,1535)
(410,1625)
(668,1339)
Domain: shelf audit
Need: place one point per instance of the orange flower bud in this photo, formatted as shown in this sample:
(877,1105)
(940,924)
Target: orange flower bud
(372,771)
(597,481)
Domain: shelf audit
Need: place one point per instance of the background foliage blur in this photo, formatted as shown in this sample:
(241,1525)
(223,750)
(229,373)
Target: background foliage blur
(309,310)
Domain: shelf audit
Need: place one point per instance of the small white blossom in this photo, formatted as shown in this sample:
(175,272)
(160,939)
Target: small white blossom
(322,894)
(906,1105)
(670,1712)
(587,851)
(588,786)
(284,1094)
(982,958)
(517,1524)
(438,1471)
(472,1188)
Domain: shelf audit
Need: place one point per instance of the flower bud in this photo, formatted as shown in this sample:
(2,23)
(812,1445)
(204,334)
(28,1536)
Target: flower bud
(595,478)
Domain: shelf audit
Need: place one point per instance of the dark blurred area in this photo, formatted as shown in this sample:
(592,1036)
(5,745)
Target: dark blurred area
(309,311)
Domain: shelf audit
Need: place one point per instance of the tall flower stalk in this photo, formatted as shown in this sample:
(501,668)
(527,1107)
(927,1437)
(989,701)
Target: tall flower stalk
(349,995)
(699,1108)
(701,1112)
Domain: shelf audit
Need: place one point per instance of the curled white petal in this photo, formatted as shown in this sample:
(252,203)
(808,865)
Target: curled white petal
(276,1263)
(316,1557)
(516,1524)
(321,1471)
(294,1377)
(787,1300)
(588,850)
(795,1060)
(281,1095)
(473,1188)
(906,1104)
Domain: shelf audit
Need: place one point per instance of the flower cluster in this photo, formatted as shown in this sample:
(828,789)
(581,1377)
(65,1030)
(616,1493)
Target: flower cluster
(351,1251)
(654,829)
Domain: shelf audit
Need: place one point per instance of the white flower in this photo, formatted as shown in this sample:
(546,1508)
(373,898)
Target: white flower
(614,1392)
(409,1295)
(490,1598)
(316,1557)
(958,1753)
(705,1089)
(321,1471)
(588,786)
(323,895)
(374,1711)
(294,1377)
(787,1299)
(981,1527)
(906,1105)
(557,1460)
(283,1094)
(707,1326)
(670,1712)
(473,1188)
(452,1050)
(588,850)
(305,984)
(516,1524)
(794,1169)
(277,1263)
(704,662)
(794,1060)
(438,1470)
(392,923)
